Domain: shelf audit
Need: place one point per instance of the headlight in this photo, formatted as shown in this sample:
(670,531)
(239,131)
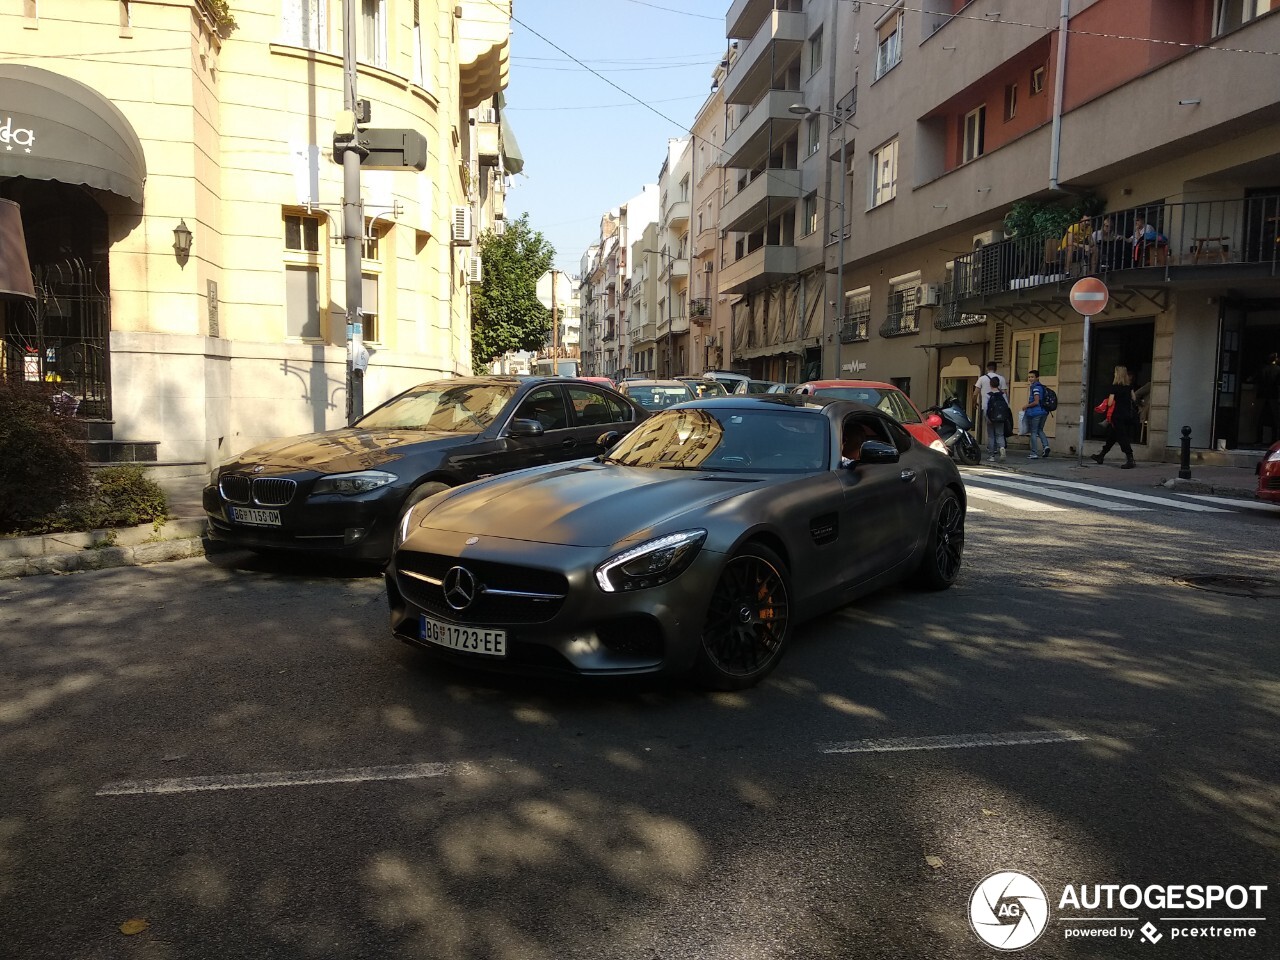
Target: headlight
(349,484)
(403,527)
(939,446)
(650,564)
(213,476)
(1274,456)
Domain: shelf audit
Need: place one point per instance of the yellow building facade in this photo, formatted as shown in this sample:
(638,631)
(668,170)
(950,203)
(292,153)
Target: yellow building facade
(124,125)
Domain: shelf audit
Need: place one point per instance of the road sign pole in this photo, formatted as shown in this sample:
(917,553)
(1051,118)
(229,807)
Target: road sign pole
(1087,297)
(1084,394)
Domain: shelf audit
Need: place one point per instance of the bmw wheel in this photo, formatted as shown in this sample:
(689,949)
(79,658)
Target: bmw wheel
(748,621)
(940,565)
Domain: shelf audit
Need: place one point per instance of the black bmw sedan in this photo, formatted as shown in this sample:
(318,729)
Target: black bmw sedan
(697,543)
(342,492)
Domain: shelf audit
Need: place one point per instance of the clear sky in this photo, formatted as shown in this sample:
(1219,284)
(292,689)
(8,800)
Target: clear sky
(588,146)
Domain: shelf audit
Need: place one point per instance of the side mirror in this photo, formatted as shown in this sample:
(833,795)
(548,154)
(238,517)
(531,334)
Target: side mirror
(608,439)
(933,421)
(876,451)
(525,428)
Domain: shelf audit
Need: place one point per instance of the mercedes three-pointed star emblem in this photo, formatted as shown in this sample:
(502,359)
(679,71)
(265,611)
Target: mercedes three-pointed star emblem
(460,587)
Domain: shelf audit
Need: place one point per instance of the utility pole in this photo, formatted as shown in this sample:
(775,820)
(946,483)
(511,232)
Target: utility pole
(352,221)
(555,325)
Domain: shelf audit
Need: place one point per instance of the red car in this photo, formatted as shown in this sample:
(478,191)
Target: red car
(1269,475)
(882,396)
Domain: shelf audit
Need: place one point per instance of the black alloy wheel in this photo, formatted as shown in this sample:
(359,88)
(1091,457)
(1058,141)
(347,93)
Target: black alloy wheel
(748,621)
(940,565)
(970,454)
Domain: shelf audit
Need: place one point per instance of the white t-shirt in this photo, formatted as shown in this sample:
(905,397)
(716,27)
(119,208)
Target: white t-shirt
(984,385)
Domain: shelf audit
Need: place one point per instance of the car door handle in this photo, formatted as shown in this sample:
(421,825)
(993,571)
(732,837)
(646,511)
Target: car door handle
(569,443)
(907,475)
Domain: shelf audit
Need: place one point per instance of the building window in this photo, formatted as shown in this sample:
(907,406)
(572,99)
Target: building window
(302,301)
(884,166)
(902,316)
(303,23)
(301,233)
(815,52)
(809,216)
(813,132)
(975,126)
(1229,14)
(1037,80)
(369,311)
(373,32)
(889,43)
(1010,101)
(857,315)
(419,60)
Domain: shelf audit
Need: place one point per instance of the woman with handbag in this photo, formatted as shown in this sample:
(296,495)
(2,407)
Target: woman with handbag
(1121,408)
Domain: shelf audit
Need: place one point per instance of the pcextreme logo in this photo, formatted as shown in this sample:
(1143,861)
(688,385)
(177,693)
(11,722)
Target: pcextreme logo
(1010,910)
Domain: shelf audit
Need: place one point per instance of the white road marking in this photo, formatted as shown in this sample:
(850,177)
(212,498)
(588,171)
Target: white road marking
(1107,491)
(296,778)
(1009,500)
(896,744)
(1237,504)
(1063,495)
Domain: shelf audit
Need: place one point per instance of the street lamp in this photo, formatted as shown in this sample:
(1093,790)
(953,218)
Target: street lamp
(671,360)
(802,110)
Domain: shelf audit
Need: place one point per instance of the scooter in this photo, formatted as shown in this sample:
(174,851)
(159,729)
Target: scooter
(955,428)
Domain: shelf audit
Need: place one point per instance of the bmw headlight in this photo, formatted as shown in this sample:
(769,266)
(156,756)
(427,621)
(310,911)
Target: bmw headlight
(940,447)
(349,484)
(650,564)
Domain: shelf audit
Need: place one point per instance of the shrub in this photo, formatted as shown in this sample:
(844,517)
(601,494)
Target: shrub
(122,496)
(42,469)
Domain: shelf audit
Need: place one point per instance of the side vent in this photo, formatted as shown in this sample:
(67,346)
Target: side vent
(825,529)
(462,225)
(474,270)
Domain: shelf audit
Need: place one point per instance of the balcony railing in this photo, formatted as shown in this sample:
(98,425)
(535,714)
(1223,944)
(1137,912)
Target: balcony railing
(700,309)
(1206,235)
(853,329)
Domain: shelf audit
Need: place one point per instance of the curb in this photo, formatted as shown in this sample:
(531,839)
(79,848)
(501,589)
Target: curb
(100,549)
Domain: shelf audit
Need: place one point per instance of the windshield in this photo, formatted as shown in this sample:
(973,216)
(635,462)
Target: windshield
(768,440)
(444,406)
(658,396)
(706,388)
(892,402)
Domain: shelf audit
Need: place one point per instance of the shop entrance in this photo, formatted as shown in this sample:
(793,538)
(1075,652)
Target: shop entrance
(1250,334)
(1130,344)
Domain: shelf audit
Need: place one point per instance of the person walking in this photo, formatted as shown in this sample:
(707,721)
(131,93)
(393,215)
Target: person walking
(1036,415)
(988,385)
(1123,419)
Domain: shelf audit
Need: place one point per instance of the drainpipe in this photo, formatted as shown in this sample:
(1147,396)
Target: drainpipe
(1059,77)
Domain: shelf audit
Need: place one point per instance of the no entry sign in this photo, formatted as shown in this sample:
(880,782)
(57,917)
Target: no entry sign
(1089,296)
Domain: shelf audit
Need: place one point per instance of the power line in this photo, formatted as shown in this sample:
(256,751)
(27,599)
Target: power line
(599,106)
(683,13)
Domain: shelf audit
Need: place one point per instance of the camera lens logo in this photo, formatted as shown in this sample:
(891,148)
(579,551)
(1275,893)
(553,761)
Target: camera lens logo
(1008,910)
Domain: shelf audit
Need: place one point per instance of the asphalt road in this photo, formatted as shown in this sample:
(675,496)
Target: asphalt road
(652,820)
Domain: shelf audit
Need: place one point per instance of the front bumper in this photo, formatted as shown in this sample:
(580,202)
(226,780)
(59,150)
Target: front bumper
(587,633)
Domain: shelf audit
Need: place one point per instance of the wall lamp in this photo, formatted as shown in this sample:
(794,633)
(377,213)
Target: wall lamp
(1188,103)
(182,242)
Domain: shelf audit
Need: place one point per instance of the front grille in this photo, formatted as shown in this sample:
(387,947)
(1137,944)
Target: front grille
(273,491)
(487,607)
(638,636)
(234,488)
(1273,483)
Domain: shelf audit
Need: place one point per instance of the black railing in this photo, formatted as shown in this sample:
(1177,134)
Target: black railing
(1205,233)
(700,309)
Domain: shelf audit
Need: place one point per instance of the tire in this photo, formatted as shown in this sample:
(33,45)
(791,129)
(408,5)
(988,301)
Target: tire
(420,493)
(970,454)
(940,565)
(748,621)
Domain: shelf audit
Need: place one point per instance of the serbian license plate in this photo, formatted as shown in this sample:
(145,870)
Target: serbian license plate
(253,517)
(488,643)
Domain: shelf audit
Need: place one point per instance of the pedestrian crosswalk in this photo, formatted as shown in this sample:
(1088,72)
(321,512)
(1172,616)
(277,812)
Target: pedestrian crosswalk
(1034,494)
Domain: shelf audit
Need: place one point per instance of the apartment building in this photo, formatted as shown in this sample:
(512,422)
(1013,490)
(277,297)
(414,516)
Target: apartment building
(675,183)
(642,293)
(1163,111)
(183,211)
(709,310)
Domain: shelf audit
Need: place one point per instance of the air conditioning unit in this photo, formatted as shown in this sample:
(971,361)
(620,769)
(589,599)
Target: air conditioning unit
(474,270)
(461,224)
(987,238)
(928,294)
(487,115)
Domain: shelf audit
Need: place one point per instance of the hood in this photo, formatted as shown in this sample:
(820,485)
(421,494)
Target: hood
(583,505)
(345,450)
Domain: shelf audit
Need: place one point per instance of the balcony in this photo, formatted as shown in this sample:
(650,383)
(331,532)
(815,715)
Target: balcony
(487,149)
(745,16)
(1210,243)
(767,125)
(675,269)
(761,268)
(779,39)
(704,242)
(751,205)
(700,310)
(678,214)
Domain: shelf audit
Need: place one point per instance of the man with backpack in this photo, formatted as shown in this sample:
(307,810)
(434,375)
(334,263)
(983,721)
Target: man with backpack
(990,392)
(1037,411)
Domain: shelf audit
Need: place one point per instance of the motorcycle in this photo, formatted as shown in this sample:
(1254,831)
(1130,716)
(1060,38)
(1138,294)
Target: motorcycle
(955,429)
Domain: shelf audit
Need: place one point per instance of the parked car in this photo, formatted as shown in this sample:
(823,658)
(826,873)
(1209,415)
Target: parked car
(733,383)
(602,381)
(704,388)
(1268,470)
(341,492)
(697,543)
(782,388)
(882,396)
(657,394)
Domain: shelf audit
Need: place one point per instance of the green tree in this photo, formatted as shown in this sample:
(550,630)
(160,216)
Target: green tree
(505,312)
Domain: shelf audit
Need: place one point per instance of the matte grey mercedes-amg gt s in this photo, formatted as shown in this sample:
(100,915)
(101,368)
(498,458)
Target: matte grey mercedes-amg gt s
(697,543)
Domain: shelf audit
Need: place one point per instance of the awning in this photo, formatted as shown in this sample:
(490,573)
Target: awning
(512,161)
(56,128)
(15,270)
